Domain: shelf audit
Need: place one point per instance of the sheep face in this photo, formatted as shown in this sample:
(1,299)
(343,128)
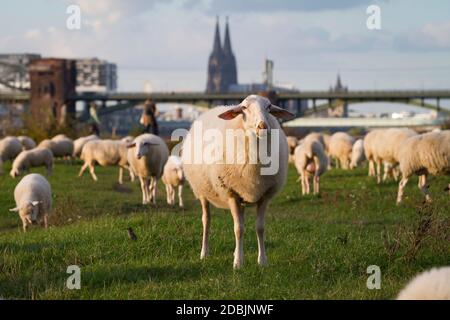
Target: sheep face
(28,212)
(254,110)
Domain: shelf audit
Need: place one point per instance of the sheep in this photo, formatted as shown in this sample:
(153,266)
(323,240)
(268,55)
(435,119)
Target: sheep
(173,177)
(32,158)
(231,184)
(426,154)
(292,143)
(147,155)
(357,154)
(310,159)
(105,153)
(27,142)
(382,145)
(10,147)
(63,146)
(79,143)
(60,137)
(433,284)
(33,197)
(127,139)
(340,147)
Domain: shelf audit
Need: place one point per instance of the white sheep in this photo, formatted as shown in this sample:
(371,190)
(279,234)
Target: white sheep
(238,176)
(340,148)
(32,158)
(79,143)
(357,154)
(27,142)
(173,177)
(105,153)
(310,159)
(425,154)
(10,147)
(433,284)
(147,156)
(382,145)
(33,196)
(61,147)
(292,144)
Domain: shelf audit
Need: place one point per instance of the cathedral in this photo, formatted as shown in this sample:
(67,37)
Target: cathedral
(222,70)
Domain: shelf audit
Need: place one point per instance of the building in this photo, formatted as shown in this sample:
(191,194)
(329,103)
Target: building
(222,69)
(339,108)
(94,75)
(13,70)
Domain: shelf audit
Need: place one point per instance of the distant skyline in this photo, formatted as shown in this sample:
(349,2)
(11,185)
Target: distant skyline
(167,43)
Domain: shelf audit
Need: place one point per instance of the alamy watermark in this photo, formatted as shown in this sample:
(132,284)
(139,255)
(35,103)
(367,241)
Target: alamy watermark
(374,280)
(373,21)
(73,21)
(74,280)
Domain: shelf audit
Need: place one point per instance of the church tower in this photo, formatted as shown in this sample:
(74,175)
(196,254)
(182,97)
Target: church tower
(229,61)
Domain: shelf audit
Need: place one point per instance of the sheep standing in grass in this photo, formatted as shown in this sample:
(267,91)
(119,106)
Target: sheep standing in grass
(292,144)
(27,142)
(433,284)
(357,154)
(62,147)
(147,156)
(310,159)
(10,147)
(234,176)
(425,154)
(173,177)
(32,158)
(79,143)
(105,153)
(340,148)
(33,196)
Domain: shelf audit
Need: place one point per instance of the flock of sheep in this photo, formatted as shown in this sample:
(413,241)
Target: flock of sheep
(232,186)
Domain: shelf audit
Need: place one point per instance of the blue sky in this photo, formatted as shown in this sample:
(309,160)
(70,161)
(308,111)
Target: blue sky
(167,42)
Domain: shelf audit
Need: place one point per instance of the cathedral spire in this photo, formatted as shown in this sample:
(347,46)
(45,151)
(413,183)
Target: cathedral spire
(217,47)
(227,41)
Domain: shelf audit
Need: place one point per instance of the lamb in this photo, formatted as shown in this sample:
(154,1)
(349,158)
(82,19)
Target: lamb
(27,142)
(229,182)
(292,144)
(32,158)
(340,147)
(105,153)
(382,145)
(33,196)
(147,156)
(10,147)
(79,143)
(173,177)
(425,154)
(433,284)
(357,154)
(310,159)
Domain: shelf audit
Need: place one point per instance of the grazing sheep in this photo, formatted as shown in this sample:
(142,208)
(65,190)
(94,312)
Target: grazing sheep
(425,154)
(10,147)
(147,156)
(433,284)
(27,142)
(357,154)
(33,196)
(173,177)
(105,153)
(79,143)
(61,147)
(292,144)
(310,159)
(238,176)
(32,158)
(382,145)
(340,148)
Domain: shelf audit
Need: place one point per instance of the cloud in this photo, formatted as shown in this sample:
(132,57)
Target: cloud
(431,37)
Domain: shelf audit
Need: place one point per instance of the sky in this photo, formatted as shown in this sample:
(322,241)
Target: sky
(166,43)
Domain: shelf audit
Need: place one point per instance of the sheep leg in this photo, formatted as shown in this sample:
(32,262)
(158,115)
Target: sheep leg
(316,184)
(83,168)
(153,186)
(260,223)
(120,175)
(379,171)
(238,218)
(144,190)
(302,178)
(401,189)
(206,221)
(24,225)
(423,186)
(92,172)
(180,196)
(46,221)
(168,194)
(371,168)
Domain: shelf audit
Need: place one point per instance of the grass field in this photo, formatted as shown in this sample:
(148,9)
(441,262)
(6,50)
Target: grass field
(318,247)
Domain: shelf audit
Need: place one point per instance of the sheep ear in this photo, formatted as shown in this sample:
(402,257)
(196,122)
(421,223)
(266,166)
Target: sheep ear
(280,113)
(232,113)
(35,203)
(131,145)
(14,209)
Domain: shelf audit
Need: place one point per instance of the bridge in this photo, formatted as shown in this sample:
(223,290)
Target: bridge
(124,100)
